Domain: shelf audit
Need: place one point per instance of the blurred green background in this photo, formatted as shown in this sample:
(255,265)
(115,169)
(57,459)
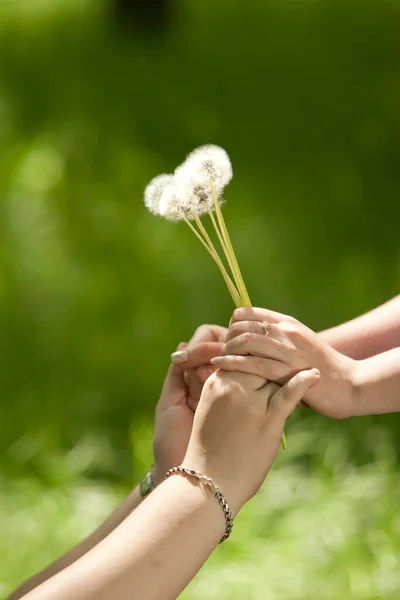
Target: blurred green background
(98,97)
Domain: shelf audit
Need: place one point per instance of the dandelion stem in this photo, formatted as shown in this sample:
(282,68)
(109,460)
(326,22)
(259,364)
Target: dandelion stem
(235,268)
(232,260)
(224,246)
(213,253)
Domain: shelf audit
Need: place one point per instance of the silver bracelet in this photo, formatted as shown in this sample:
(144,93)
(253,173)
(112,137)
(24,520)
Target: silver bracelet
(208,482)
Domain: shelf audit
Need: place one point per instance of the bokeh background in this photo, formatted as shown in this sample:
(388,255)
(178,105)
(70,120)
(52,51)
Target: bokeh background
(96,98)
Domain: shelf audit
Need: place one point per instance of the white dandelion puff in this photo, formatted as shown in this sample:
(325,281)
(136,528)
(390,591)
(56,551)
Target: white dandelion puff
(154,192)
(182,199)
(207,163)
(171,201)
(188,190)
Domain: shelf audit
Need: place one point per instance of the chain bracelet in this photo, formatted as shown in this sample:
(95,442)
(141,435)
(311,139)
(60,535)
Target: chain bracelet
(208,482)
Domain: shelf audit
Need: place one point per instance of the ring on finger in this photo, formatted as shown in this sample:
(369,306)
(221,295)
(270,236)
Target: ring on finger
(266,327)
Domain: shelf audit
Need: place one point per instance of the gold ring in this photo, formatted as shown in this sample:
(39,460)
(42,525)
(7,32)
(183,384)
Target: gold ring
(266,326)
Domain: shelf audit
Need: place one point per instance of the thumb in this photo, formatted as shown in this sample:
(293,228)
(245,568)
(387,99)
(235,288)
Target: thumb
(197,355)
(204,372)
(174,382)
(286,398)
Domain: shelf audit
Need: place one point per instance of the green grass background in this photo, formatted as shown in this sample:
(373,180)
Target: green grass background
(95,292)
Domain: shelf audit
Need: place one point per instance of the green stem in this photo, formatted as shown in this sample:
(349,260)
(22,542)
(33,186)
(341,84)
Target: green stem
(223,246)
(235,268)
(213,253)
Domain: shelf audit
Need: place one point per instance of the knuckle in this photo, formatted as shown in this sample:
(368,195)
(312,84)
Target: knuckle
(234,330)
(292,319)
(291,329)
(286,392)
(260,366)
(247,337)
(237,327)
(275,371)
(211,383)
(272,388)
(222,384)
(237,315)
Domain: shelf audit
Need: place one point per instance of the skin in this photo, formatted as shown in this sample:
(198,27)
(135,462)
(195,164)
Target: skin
(347,387)
(156,551)
(372,333)
(358,360)
(172,430)
(373,388)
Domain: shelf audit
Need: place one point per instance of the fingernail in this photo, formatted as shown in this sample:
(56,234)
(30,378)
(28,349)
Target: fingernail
(179,357)
(315,372)
(217,360)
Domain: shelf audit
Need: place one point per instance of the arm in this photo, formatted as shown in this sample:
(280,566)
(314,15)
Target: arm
(152,555)
(173,425)
(377,384)
(347,387)
(158,549)
(120,513)
(369,334)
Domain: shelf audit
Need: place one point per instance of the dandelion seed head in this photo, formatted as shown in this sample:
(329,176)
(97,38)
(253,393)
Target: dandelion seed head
(198,197)
(154,192)
(169,206)
(207,162)
(188,190)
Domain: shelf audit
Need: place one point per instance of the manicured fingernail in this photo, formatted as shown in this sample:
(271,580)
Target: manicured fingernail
(179,357)
(217,360)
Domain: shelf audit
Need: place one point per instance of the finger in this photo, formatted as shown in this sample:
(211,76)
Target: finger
(208,333)
(193,383)
(257,345)
(194,356)
(196,378)
(273,370)
(256,314)
(192,403)
(203,373)
(242,326)
(248,381)
(285,400)
(174,383)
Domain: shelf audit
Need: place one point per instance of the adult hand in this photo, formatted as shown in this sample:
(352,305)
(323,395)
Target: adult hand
(238,427)
(206,343)
(179,397)
(284,349)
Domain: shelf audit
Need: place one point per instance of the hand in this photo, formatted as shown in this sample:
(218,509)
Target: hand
(211,338)
(288,348)
(238,427)
(179,398)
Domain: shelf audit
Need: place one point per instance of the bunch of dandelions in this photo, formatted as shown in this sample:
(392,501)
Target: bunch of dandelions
(193,190)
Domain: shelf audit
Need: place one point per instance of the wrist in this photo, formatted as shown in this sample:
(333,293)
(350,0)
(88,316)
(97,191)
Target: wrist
(158,473)
(229,488)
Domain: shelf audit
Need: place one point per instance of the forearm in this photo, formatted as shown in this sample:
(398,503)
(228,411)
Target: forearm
(374,332)
(377,384)
(120,513)
(152,555)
